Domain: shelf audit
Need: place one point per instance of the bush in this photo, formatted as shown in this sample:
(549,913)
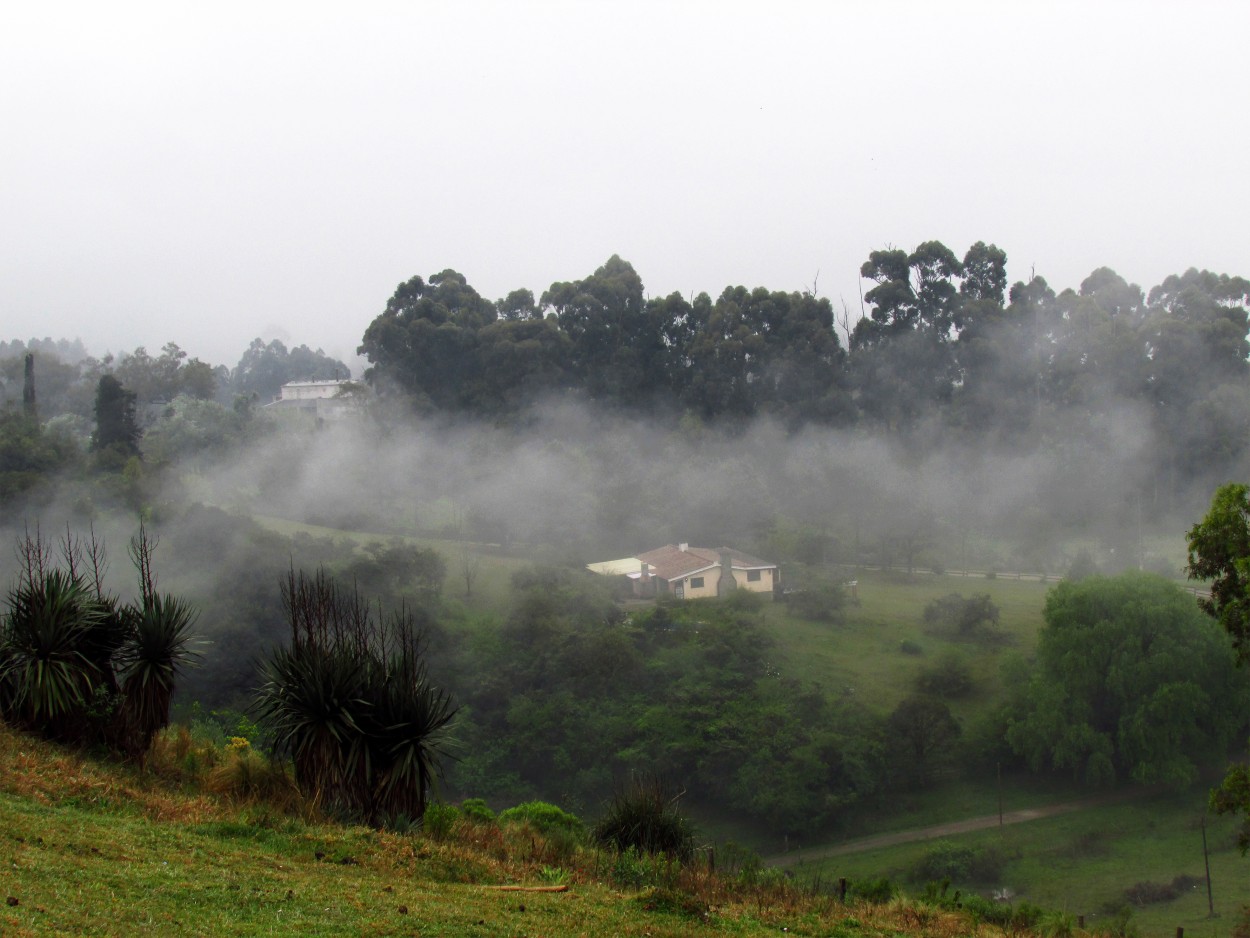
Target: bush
(959,864)
(476,810)
(821,604)
(964,617)
(879,891)
(908,647)
(439,820)
(949,678)
(544,817)
(644,817)
(246,775)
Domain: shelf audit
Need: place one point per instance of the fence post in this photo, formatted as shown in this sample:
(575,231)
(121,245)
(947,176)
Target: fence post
(842,890)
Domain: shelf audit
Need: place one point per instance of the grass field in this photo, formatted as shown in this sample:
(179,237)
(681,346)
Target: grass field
(92,849)
(1085,862)
(863,656)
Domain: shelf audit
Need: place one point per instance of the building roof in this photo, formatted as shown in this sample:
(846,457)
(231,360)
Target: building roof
(673,562)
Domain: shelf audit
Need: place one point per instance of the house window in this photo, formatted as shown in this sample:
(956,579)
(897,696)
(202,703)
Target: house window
(753,576)
(696,582)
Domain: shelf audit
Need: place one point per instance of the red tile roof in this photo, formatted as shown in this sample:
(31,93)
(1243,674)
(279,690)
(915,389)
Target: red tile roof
(672,563)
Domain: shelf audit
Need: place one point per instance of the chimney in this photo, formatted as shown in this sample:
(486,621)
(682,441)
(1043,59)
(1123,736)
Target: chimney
(645,586)
(683,546)
(726,584)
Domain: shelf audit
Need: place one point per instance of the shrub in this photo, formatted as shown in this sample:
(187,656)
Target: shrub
(949,678)
(544,817)
(246,775)
(909,647)
(959,864)
(439,819)
(953,613)
(820,604)
(476,810)
(878,891)
(645,817)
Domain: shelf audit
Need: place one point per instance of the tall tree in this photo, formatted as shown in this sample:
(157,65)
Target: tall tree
(117,431)
(617,345)
(425,342)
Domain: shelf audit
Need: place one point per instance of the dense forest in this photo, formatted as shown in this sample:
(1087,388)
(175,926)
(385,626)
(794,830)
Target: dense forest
(945,421)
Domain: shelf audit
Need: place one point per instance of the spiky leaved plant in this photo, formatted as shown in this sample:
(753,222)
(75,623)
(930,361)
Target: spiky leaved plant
(57,642)
(645,816)
(78,667)
(349,702)
(156,649)
(46,673)
(411,726)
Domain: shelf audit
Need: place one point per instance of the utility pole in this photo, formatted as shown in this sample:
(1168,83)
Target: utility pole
(1206,859)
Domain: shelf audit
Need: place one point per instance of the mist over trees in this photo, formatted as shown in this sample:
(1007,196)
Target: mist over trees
(958,423)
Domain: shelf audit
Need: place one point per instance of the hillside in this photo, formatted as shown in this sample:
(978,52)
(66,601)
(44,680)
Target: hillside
(95,850)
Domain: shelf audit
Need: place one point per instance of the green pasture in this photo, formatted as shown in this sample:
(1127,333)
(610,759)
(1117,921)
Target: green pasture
(863,656)
(491,568)
(1084,863)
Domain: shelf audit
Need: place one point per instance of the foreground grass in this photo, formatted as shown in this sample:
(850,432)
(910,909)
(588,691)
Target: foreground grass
(95,850)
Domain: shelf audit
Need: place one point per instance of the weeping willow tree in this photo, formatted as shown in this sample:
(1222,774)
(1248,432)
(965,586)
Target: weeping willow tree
(350,702)
(78,665)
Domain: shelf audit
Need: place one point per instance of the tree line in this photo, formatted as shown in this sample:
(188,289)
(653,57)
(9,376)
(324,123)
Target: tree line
(941,347)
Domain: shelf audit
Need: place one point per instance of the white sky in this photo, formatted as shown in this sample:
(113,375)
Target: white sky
(207,173)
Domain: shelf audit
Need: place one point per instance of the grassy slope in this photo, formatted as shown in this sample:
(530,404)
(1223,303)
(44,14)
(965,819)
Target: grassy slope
(862,656)
(93,850)
(1083,863)
(1150,841)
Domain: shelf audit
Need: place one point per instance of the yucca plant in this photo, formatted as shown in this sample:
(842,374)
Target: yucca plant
(349,702)
(156,650)
(77,666)
(48,672)
(411,736)
(312,700)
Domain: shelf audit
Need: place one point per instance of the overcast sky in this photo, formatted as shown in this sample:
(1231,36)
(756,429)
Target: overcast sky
(207,173)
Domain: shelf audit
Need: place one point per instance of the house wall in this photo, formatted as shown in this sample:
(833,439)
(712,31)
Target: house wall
(764,584)
(320,390)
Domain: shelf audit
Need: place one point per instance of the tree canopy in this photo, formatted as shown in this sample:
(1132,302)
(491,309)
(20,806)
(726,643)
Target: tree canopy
(1132,681)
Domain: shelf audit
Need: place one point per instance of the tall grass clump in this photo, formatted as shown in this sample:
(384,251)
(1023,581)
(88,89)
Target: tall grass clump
(77,665)
(644,817)
(349,701)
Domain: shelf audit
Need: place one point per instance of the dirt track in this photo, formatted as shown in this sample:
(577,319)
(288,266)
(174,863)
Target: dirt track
(861,844)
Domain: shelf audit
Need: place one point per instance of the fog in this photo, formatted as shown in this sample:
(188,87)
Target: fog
(577,485)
